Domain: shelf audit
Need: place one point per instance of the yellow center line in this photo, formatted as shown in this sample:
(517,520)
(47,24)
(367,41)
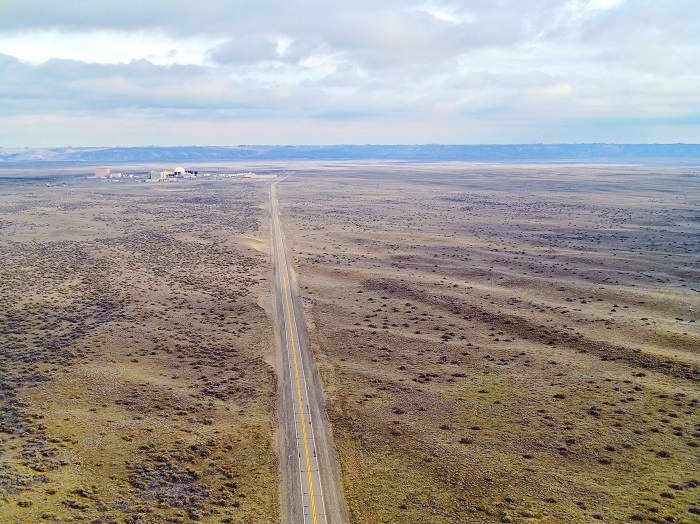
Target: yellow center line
(301,403)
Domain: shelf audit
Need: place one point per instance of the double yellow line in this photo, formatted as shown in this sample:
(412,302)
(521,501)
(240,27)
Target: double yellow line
(301,403)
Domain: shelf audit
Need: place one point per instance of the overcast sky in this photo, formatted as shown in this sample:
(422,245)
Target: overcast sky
(227,72)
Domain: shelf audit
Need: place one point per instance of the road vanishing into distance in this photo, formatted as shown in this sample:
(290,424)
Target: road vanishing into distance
(312,489)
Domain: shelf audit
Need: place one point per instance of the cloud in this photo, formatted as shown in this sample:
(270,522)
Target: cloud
(452,13)
(587,6)
(487,79)
(106,46)
(452,64)
(246,50)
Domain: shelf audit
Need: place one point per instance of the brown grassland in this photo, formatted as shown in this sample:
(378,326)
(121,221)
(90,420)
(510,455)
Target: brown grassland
(498,343)
(134,353)
(506,343)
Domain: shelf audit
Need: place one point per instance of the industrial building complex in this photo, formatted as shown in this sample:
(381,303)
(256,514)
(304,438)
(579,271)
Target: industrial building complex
(173,175)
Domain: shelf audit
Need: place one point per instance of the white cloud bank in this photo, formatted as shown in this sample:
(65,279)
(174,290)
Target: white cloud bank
(106,46)
(312,71)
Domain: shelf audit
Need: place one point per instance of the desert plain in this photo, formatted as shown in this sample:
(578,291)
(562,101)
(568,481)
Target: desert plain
(135,385)
(498,342)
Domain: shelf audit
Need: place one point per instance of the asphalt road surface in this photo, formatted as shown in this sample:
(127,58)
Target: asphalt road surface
(312,489)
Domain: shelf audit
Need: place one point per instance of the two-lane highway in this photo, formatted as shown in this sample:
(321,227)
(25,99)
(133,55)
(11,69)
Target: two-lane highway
(312,490)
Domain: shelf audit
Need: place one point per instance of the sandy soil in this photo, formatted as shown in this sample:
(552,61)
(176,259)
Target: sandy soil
(135,387)
(506,343)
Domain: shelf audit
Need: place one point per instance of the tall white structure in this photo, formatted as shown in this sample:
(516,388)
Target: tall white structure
(157,175)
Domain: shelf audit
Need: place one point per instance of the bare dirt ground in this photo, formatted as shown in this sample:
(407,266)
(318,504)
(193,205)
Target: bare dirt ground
(506,343)
(135,384)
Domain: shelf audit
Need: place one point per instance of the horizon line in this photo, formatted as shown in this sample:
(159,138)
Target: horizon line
(369,144)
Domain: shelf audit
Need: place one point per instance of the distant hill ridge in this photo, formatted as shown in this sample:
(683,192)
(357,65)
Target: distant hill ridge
(427,152)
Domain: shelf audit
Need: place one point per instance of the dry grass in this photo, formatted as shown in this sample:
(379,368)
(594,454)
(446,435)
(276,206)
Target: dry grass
(506,343)
(498,344)
(134,385)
